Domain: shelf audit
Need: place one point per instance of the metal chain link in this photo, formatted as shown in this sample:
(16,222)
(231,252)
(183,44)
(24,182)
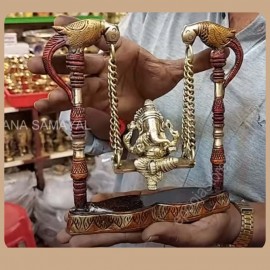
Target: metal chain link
(115,135)
(188,117)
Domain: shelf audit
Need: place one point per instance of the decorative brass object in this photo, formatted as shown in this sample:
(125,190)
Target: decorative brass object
(23,137)
(217,37)
(151,145)
(136,212)
(17,143)
(60,169)
(46,133)
(76,37)
(60,141)
(19,80)
(150,124)
(9,145)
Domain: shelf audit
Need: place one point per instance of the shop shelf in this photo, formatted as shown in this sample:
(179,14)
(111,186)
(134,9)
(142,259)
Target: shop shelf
(37,19)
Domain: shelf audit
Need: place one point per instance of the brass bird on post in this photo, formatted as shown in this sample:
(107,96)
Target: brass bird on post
(216,37)
(77,36)
(84,33)
(213,35)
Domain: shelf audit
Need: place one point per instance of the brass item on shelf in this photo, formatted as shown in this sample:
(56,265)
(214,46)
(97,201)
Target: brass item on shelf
(60,141)
(9,145)
(60,169)
(46,133)
(23,137)
(19,80)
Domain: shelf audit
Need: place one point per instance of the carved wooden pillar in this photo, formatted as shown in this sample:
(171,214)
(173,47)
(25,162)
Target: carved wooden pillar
(218,61)
(79,171)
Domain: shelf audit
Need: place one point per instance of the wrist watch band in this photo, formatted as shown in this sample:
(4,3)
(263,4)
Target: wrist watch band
(247,224)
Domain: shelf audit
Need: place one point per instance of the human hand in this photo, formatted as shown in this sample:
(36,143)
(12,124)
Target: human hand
(220,228)
(140,76)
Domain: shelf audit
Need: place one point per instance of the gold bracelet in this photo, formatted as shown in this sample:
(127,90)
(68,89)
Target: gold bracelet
(247,224)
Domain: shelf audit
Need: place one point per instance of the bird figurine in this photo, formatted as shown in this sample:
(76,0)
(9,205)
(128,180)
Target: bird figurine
(76,36)
(83,33)
(211,34)
(216,37)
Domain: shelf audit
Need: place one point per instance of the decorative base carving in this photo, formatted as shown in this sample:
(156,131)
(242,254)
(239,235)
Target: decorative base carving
(135,212)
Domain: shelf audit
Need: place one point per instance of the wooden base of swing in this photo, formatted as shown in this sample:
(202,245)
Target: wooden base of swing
(129,213)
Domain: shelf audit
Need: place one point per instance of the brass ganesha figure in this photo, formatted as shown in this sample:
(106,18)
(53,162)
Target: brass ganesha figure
(152,145)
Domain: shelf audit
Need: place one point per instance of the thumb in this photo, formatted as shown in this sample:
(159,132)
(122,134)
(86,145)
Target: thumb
(169,233)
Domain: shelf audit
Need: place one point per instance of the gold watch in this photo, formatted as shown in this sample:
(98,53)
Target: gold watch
(247,224)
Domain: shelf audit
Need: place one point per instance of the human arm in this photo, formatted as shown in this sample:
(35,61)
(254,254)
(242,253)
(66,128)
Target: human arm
(222,228)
